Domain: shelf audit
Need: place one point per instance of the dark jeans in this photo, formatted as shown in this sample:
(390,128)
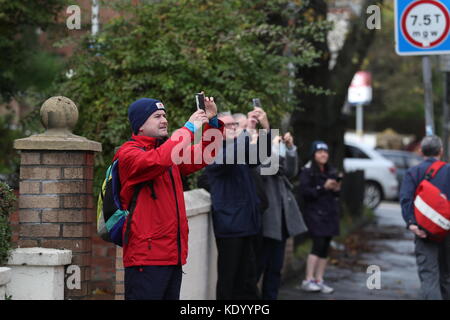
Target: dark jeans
(153,282)
(433,264)
(269,265)
(236,266)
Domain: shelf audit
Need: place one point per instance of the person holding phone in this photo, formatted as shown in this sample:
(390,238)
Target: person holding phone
(157,246)
(281,219)
(320,189)
(236,206)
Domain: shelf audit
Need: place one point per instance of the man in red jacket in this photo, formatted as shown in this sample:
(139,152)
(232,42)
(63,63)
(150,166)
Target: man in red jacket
(155,247)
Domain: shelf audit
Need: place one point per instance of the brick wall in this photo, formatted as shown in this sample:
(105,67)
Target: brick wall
(120,275)
(56,207)
(103,268)
(103,253)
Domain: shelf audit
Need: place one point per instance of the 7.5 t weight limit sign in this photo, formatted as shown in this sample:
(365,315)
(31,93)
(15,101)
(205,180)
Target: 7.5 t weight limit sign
(422,27)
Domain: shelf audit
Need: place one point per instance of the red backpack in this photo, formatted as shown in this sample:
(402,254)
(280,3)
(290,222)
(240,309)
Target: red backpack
(431,207)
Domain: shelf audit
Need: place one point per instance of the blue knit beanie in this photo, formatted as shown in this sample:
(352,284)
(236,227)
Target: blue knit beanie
(316,146)
(140,110)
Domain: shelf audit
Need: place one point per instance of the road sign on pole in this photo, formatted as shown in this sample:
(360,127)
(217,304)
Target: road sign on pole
(422,27)
(360,91)
(359,94)
(445,68)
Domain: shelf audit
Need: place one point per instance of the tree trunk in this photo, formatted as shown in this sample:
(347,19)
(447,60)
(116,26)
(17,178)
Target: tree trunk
(319,117)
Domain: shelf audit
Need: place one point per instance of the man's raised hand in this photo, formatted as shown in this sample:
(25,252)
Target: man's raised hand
(199,118)
(210,107)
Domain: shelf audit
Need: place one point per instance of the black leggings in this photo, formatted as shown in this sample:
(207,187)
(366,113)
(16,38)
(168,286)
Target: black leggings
(321,246)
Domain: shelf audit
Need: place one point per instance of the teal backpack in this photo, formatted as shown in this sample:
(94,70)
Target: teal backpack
(111,216)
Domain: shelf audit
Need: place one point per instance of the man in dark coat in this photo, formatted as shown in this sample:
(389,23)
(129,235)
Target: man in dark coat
(236,208)
(433,258)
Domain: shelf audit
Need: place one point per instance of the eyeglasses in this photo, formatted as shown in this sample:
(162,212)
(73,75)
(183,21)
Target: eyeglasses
(231,124)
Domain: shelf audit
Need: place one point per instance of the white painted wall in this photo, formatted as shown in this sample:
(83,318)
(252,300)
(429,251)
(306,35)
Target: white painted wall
(199,280)
(5,278)
(37,273)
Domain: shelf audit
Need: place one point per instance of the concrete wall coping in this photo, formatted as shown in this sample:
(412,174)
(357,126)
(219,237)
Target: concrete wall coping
(198,201)
(40,257)
(58,141)
(5,276)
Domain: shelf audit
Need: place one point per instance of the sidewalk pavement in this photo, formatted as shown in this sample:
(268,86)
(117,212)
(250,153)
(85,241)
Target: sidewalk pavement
(389,246)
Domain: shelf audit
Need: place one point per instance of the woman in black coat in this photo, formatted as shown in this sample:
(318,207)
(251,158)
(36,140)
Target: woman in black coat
(319,187)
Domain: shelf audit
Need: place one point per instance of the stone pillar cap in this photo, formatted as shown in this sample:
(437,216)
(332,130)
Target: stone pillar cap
(59,115)
(39,257)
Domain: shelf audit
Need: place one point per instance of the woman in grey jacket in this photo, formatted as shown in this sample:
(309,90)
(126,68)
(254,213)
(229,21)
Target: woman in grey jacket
(282,219)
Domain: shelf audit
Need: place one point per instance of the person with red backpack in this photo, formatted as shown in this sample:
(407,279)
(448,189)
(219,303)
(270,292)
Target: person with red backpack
(425,209)
(155,233)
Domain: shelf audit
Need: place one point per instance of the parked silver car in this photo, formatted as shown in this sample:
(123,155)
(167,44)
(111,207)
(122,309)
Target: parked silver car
(403,160)
(380,173)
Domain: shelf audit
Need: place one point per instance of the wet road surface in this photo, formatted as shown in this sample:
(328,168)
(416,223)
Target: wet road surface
(385,244)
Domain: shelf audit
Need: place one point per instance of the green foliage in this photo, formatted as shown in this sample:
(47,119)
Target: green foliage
(27,70)
(19,20)
(398,92)
(233,50)
(303,249)
(7,203)
(348,224)
(8,164)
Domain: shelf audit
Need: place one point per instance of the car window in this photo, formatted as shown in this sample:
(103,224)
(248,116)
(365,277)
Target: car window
(398,160)
(413,161)
(356,153)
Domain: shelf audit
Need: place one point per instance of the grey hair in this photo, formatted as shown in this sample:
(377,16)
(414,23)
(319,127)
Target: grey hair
(237,116)
(431,146)
(223,114)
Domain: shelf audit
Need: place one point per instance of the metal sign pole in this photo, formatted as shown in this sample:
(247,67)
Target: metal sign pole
(429,118)
(359,120)
(94,17)
(445,68)
(445,124)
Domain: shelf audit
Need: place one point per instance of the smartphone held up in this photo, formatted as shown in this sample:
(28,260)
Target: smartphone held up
(256,102)
(200,101)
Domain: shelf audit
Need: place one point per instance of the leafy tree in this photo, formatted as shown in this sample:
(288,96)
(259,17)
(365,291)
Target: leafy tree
(19,21)
(171,49)
(8,164)
(398,94)
(320,116)
(27,68)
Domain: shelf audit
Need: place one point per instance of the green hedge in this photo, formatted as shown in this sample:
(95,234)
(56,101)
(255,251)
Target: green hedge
(7,205)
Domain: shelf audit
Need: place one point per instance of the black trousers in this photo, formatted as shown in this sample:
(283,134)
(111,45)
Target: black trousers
(270,257)
(236,268)
(321,246)
(153,283)
(270,265)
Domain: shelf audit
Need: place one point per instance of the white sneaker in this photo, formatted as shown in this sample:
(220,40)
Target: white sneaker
(324,288)
(310,286)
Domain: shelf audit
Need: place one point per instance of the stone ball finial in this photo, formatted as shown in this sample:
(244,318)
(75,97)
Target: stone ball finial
(59,113)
